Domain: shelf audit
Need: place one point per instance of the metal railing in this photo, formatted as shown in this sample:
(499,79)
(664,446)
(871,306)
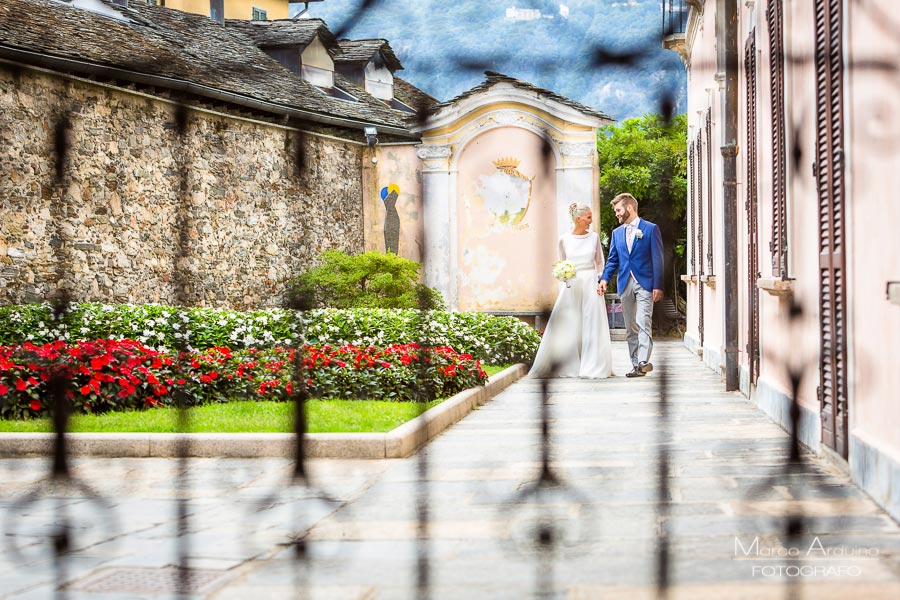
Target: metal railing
(544,539)
(674,17)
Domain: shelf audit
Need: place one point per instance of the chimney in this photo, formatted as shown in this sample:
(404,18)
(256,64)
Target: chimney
(217,11)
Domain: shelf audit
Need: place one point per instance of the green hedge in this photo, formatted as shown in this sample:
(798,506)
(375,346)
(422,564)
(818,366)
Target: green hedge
(494,340)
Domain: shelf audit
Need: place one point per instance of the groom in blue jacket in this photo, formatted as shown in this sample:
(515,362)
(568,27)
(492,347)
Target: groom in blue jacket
(636,253)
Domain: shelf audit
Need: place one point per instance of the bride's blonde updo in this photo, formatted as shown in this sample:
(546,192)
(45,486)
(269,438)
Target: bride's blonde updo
(576,210)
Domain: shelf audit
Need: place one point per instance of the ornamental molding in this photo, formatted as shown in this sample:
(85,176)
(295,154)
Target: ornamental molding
(577,149)
(506,117)
(431,152)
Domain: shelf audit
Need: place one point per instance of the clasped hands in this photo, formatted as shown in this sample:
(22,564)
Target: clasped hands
(601,289)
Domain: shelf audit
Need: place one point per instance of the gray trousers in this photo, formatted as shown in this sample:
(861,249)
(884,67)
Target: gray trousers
(637,308)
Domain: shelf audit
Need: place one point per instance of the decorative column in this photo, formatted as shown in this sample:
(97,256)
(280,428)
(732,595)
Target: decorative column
(574,180)
(439,221)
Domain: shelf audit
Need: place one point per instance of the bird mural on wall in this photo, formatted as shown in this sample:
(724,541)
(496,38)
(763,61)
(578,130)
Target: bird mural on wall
(389,195)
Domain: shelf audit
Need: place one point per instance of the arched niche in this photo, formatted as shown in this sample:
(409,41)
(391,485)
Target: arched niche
(506,211)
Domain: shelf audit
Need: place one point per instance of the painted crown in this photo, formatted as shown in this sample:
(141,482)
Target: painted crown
(507,163)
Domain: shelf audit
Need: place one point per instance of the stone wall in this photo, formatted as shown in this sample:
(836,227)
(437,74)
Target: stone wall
(255,213)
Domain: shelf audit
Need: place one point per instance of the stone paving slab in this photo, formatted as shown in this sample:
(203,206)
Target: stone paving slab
(358,517)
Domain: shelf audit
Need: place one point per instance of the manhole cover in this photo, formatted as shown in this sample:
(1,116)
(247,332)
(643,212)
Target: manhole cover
(149,581)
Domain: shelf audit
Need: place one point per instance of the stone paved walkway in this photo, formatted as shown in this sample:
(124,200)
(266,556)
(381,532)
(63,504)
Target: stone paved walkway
(725,522)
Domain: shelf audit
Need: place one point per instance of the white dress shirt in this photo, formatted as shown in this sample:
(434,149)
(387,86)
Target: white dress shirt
(630,229)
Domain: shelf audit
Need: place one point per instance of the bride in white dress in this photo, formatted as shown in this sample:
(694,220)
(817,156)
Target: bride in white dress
(576,340)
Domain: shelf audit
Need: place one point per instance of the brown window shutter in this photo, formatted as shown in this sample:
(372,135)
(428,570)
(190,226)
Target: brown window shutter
(698,152)
(709,192)
(778,244)
(753,351)
(693,209)
(832,258)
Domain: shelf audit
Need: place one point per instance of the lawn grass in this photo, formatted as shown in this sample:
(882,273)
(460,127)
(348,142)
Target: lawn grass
(323,416)
(248,416)
(494,369)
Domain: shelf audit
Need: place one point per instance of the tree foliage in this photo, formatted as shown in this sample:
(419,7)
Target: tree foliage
(647,158)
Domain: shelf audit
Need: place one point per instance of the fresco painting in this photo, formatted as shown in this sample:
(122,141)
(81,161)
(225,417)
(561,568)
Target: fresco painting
(503,207)
(506,193)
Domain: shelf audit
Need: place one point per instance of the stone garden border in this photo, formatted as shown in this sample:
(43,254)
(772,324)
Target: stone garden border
(398,443)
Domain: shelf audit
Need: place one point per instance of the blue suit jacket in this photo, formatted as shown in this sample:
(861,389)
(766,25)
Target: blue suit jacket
(645,259)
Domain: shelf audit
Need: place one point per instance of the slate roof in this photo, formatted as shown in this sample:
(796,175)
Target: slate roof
(361,51)
(175,48)
(283,33)
(412,96)
(492,78)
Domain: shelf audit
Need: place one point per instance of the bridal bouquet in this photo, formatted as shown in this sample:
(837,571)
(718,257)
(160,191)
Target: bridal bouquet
(564,271)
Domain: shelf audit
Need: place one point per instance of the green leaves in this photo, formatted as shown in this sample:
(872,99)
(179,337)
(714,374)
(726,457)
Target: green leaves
(496,340)
(647,158)
(370,280)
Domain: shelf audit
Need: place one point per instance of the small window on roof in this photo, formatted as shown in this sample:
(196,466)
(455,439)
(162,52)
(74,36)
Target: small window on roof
(258,14)
(397,105)
(338,93)
(318,77)
(343,95)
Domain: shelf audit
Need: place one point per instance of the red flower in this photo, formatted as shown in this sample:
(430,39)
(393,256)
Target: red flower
(85,390)
(21,385)
(35,405)
(3,389)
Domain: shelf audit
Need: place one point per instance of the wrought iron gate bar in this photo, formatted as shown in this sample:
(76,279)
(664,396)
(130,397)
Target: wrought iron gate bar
(545,531)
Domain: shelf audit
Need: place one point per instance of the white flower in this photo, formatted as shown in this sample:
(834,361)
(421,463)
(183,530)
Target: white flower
(639,234)
(564,270)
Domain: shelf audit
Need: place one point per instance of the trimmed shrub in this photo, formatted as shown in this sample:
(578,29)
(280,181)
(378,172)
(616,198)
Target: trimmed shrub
(369,280)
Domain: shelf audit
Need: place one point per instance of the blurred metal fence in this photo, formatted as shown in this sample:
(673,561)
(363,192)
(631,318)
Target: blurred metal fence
(544,530)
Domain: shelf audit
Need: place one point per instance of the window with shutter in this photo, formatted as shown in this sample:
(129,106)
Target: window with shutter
(698,152)
(752,210)
(778,244)
(693,209)
(830,187)
(709,193)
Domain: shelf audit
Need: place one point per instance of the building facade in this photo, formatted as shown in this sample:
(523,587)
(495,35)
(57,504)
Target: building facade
(256,10)
(231,154)
(793,261)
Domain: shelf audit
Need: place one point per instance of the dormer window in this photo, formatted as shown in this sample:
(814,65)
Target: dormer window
(96,6)
(258,14)
(316,64)
(379,79)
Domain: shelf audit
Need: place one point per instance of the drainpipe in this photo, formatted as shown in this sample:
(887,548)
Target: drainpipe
(728,21)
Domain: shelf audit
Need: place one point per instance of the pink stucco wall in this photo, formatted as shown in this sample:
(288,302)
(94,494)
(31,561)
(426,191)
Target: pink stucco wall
(504,265)
(397,165)
(872,111)
(873,127)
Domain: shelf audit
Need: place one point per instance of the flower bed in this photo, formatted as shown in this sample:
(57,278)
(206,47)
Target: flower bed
(496,340)
(106,375)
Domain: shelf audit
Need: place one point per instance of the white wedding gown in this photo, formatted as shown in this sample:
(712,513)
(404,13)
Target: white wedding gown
(577,335)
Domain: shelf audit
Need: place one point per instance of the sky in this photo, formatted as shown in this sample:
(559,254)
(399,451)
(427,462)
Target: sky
(569,47)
